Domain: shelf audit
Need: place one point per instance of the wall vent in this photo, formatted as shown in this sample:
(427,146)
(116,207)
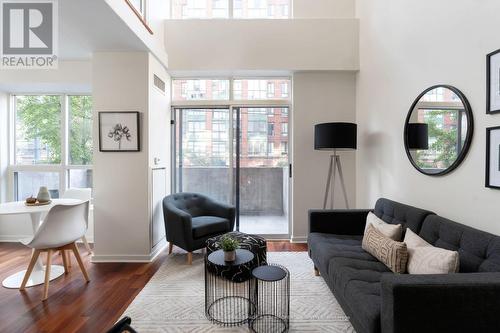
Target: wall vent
(159,83)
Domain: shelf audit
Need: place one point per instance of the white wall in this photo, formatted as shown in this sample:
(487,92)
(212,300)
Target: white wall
(405,47)
(318,97)
(4,152)
(157,12)
(121,208)
(70,77)
(302,44)
(323,8)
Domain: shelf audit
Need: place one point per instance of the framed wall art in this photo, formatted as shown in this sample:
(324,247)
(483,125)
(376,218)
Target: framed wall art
(119,131)
(493,82)
(493,157)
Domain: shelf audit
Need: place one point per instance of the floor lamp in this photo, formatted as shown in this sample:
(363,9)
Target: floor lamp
(335,137)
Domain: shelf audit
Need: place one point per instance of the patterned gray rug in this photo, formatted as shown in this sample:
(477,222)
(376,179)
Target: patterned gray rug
(173,300)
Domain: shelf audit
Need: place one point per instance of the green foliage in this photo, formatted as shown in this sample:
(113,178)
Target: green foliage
(80,139)
(443,138)
(228,243)
(39,117)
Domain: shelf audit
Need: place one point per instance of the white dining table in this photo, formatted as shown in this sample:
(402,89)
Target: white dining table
(35,212)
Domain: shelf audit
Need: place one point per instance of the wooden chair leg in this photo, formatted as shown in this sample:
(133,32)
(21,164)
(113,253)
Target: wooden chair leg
(80,262)
(34,258)
(65,261)
(68,258)
(190,258)
(87,246)
(47,275)
(170,247)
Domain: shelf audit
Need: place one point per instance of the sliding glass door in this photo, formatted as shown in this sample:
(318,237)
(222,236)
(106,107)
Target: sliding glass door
(262,173)
(203,154)
(237,155)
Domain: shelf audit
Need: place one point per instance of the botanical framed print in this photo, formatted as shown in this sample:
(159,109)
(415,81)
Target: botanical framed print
(119,131)
(493,82)
(493,157)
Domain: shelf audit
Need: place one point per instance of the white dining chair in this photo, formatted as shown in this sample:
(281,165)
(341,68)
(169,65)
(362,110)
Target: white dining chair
(59,231)
(84,194)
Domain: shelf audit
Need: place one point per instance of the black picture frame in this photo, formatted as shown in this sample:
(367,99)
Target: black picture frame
(488,82)
(137,137)
(488,157)
(468,137)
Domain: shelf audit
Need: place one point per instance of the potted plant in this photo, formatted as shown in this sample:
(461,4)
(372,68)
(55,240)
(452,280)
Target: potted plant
(229,245)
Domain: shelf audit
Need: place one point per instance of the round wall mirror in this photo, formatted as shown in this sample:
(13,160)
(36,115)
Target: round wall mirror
(438,130)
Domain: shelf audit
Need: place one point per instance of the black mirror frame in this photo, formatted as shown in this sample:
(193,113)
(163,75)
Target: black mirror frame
(468,138)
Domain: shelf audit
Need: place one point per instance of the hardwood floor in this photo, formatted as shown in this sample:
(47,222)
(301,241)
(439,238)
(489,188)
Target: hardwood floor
(73,305)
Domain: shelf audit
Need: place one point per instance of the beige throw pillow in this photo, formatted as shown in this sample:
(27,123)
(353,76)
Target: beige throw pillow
(393,254)
(423,258)
(393,231)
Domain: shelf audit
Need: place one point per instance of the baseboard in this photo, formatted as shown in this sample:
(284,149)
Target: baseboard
(13,238)
(130,257)
(17,238)
(298,239)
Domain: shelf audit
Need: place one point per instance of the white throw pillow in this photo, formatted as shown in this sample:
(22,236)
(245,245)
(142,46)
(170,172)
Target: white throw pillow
(423,258)
(393,231)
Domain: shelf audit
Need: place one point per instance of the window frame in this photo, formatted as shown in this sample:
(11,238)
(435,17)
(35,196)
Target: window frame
(63,168)
(230,15)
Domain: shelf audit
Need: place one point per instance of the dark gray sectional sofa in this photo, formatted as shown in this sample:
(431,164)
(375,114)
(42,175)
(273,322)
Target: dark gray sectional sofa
(377,300)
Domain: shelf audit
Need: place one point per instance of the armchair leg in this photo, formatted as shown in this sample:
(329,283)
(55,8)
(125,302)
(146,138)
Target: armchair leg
(190,258)
(170,247)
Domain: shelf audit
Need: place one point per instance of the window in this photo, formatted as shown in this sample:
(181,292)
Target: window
(41,158)
(270,129)
(284,129)
(284,147)
(220,9)
(219,89)
(261,9)
(260,89)
(138,5)
(200,89)
(38,130)
(80,130)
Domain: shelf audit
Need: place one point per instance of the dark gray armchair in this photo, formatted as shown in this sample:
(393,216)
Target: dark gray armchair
(192,218)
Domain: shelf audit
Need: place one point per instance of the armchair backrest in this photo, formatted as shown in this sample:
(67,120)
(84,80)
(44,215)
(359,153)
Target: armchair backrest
(192,203)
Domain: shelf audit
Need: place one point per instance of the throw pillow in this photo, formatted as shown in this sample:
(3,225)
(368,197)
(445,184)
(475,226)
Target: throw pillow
(393,231)
(393,254)
(423,258)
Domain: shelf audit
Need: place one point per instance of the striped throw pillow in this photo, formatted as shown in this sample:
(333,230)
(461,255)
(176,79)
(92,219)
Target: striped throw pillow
(391,253)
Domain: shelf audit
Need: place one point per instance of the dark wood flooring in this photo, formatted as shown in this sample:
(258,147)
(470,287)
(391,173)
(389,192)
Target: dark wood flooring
(73,305)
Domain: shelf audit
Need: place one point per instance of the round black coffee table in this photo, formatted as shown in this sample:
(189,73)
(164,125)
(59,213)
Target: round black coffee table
(226,293)
(270,292)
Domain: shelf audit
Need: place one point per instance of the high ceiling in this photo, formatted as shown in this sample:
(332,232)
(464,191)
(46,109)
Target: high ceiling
(86,26)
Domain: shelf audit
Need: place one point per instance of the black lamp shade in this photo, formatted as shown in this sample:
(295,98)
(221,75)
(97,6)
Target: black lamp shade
(418,136)
(339,136)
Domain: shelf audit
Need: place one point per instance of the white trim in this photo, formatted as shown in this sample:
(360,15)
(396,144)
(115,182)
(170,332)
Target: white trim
(298,239)
(17,238)
(129,257)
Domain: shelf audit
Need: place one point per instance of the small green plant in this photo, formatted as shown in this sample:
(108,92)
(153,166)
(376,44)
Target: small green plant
(228,243)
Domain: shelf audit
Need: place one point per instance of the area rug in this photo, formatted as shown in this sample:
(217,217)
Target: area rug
(173,300)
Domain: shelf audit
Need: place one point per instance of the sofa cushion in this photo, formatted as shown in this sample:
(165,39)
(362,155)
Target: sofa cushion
(208,225)
(393,254)
(323,247)
(478,251)
(397,213)
(358,283)
(423,258)
(393,231)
